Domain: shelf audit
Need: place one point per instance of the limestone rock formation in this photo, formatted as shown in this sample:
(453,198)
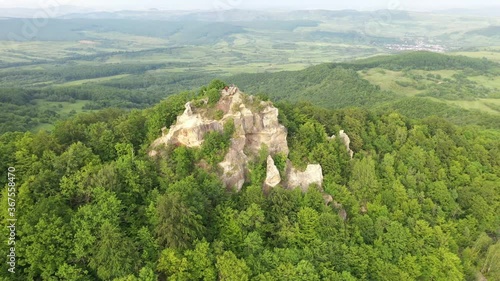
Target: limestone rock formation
(312,175)
(234,165)
(272,174)
(327,198)
(189,129)
(233,175)
(256,127)
(346,140)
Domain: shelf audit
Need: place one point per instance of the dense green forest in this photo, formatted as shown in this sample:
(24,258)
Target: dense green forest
(83,97)
(333,87)
(420,200)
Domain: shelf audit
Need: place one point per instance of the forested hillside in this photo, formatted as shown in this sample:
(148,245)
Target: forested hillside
(420,200)
(29,102)
(425,61)
(463,90)
(328,85)
(417,84)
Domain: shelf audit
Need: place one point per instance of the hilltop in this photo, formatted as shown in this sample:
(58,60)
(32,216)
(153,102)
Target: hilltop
(338,158)
(247,129)
(419,199)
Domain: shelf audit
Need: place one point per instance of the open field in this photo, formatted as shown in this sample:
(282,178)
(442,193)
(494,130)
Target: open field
(94,80)
(387,79)
(494,56)
(416,80)
(490,81)
(491,106)
(62,108)
(420,83)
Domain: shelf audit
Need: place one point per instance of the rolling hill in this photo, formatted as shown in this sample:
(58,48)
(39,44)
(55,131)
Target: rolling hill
(453,87)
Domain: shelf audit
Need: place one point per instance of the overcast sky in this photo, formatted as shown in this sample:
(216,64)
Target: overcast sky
(255,4)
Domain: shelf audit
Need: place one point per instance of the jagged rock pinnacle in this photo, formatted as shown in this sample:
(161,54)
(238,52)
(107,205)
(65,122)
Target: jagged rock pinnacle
(256,127)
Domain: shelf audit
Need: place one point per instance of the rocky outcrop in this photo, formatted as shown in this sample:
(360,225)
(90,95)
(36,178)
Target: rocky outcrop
(340,209)
(273,177)
(256,127)
(327,198)
(295,178)
(346,140)
(189,130)
(234,166)
(233,175)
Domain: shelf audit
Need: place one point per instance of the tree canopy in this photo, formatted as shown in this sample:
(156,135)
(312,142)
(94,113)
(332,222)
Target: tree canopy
(420,200)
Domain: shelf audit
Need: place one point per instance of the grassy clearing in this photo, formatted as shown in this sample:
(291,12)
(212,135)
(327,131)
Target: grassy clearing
(494,56)
(43,127)
(64,109)
(446,73)
(386,79)
(94,80)
(486,105)
(489,82)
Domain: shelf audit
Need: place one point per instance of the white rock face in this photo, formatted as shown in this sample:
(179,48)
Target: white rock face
(234,165)
(312,175)
(256,126)
(189,130)
(272,174)
(346,140)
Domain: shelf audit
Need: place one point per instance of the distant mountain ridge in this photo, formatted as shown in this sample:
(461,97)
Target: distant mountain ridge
(51,11)
(493,11)
(72,12)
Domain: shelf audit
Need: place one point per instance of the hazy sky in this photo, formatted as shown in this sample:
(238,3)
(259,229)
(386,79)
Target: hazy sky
(255,4)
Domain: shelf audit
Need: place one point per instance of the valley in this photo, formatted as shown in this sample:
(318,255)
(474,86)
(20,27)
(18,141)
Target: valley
(111,58)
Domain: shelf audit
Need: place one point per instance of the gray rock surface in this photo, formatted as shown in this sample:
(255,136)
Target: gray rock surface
(313,174)
(346,140)
(256,126)
(273,177)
